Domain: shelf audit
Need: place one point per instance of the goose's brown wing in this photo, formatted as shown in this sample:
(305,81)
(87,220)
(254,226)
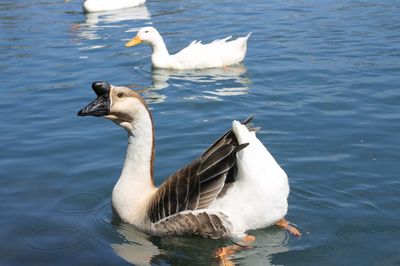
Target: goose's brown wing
(198,184)
(201,223)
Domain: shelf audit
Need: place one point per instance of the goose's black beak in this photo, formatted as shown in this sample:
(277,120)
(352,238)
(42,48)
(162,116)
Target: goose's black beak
(100,106)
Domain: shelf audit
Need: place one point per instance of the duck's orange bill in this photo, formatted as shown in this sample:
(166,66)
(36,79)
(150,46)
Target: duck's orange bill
(133,42)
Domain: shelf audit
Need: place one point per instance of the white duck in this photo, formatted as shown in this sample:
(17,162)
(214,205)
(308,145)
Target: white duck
(105,5)
(218,53)
(234,186)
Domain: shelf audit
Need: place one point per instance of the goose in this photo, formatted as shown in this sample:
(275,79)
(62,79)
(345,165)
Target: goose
(105,5)
(234,186)
(219,53)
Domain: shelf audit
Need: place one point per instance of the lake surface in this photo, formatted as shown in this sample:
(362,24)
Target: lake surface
(323,79)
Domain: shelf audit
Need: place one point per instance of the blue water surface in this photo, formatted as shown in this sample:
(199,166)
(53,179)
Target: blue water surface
(322,77)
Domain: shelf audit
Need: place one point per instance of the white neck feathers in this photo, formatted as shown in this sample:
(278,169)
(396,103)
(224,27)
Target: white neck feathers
(159,47)
(139,155)
(135,185)
(160,54)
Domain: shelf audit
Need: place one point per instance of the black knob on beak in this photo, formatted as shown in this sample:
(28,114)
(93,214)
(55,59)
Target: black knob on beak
(101,88)
(101,105)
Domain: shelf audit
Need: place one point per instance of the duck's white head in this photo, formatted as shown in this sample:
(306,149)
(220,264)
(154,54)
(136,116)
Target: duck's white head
(147,35)
(118,104)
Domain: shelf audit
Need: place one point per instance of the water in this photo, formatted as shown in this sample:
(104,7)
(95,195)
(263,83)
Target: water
(322,78)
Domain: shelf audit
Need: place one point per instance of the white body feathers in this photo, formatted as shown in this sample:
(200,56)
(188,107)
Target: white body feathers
(219,53)
(258,198)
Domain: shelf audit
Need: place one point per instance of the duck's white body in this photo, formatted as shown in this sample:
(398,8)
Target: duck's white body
(219,53)
(104,5)
(208,197)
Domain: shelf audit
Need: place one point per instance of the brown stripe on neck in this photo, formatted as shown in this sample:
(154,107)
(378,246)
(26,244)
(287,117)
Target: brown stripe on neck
(153,153)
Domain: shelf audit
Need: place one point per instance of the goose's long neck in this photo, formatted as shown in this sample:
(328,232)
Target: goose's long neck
(135,186)
(138,165)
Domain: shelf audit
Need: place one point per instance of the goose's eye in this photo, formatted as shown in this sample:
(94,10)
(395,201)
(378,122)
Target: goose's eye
(120,95)
(146,31)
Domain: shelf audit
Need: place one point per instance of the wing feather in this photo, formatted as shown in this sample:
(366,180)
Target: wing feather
(198,184)
(201,223)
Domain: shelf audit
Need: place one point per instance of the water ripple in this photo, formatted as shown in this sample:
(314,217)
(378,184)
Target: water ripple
(80,203)
(58,232)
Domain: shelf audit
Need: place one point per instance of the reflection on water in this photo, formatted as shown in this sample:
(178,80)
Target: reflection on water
(136,249)
(96,21)
(268,242)
(113,16)
(141,249)
(227,81)
(71,228)
(212,75)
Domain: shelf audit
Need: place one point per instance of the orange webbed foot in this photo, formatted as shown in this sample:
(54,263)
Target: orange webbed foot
(285,224)
(223,253)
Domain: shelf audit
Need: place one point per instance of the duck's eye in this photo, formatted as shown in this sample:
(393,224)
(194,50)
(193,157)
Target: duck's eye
(120,95)
(146,31)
